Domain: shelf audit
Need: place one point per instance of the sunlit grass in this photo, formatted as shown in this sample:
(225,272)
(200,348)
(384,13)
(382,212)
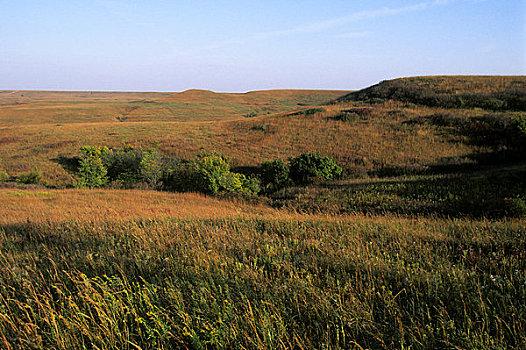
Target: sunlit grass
(263,283)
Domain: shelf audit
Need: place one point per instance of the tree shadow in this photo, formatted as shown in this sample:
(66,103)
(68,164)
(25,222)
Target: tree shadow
(70,164)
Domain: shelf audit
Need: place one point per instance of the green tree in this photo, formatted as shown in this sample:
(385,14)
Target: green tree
(92,172)
(211,174)
(274,174)
(151,167)
(310,166)
(4,176)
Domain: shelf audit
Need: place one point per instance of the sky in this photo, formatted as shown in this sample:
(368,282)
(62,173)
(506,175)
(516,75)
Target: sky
(237,46)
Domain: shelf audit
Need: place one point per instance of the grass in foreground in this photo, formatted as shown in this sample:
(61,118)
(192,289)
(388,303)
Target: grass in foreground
(248,282)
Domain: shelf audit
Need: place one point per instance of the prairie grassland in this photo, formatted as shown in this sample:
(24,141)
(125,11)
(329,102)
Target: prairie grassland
(248,282)
(40,205)
(396,255)
(380,139)
(43,107)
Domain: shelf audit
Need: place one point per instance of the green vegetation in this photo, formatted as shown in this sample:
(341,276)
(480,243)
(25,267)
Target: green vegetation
(92,172)
(4,176)
(488,194)
(127,167)
(151,167)
(449,92)
(311,166)
(211,174)
(250,115)
(309,111)
(32,177)
(256,283)
(274,174)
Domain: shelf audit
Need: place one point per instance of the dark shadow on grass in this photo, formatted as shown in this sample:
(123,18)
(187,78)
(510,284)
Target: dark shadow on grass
(494,192)
(70,164)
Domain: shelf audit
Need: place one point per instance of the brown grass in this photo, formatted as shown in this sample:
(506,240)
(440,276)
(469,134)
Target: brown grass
(44,205)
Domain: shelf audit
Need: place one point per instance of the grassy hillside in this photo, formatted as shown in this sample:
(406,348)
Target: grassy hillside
(487,92)
(366,143)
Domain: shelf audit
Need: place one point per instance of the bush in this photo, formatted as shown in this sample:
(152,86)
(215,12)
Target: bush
(250,185)
(33,177)
(177,176)
(274,174)
(151,168)
(517,207)
(310,166)
(92,172)
(345,116)
(309,111)
(211,174)
(4,176)
(517,132)
(250,115)
(124,165)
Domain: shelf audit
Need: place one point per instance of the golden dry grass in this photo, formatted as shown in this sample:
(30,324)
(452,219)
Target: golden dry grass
(45,205)
(56,107)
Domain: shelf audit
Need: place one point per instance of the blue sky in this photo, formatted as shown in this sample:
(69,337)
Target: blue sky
(161,45)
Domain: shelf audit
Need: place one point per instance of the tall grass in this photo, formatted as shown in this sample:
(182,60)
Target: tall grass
(261,283)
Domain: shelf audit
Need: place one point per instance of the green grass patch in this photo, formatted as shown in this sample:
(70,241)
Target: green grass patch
(253,283)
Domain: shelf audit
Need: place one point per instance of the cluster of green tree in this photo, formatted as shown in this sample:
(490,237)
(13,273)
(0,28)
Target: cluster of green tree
(402,90)
(305,168)
(129,166)
(208,173)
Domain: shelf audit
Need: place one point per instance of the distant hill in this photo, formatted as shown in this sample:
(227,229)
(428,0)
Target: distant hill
(486,92)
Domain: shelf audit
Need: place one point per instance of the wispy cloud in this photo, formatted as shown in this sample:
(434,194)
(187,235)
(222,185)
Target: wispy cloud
(353,35)
(353,17)
(325,25)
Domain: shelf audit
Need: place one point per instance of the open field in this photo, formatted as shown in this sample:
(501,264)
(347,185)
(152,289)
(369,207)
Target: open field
(45,205)
(420,243)
(43,107)
(257,282)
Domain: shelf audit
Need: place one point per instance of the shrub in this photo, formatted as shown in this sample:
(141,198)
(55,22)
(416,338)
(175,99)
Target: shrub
(3,176)
(310,166)
(92,173)
(209,171)
(124,165)
(33,177)
(250,115)
(151,168)
(345,116)
(94,151)
(262,127)
(250,185)
(211,174)
(517,132)
(517,207)
(274,174)
(178,176)
(309,111)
